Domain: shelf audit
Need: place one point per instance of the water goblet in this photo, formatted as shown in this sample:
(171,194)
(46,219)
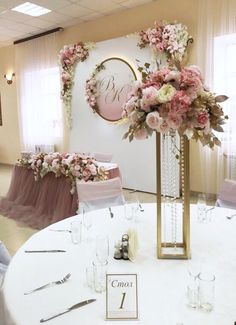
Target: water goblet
(76,231)
(201,208)
(102,248)
(87,221)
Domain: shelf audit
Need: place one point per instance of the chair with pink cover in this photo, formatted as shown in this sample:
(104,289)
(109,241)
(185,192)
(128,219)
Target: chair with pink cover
(103,157)
(4,260)
(226,197)
(102,194)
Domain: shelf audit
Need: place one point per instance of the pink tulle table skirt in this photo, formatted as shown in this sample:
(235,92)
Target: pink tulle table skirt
(38,204)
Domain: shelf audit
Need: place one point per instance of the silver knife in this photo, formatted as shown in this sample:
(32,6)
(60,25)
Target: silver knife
(46,251)
(80,304)
(60,230)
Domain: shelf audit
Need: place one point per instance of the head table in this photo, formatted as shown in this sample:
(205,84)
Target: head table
(40,203)
(161,283)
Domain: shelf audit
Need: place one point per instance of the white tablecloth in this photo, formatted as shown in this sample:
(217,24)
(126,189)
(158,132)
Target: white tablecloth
(162,283)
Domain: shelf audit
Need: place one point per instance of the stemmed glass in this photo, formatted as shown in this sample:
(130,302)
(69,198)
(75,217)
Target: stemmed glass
(86,219)
(102,249)
(132,207)
(201,207)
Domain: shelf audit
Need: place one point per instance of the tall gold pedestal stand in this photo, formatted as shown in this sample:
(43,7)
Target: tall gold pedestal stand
(179,250)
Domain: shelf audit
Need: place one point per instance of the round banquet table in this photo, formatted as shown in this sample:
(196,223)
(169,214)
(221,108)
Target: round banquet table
(161,283)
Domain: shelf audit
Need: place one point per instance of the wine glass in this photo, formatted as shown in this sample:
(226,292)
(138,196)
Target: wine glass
(132,207)
(102,248)
(201,207)
(87,220)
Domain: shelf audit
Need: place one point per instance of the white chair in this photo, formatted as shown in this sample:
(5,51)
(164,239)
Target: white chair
(226,197)
(101,194)
(4,261)
(103,157)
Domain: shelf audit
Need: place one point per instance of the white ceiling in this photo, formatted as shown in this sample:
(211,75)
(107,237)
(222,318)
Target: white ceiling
(15,25)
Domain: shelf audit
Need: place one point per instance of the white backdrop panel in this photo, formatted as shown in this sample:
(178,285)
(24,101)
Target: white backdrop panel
(91,133)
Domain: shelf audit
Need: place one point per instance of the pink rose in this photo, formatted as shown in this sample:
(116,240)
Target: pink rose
(39,163)
(202,119)
(153,120)
(133,117)
(130,104)
(164,127)
(92,169)
(149,98)
(86,174)
(141,134)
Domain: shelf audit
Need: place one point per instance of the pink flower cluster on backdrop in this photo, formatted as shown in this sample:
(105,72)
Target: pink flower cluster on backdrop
(68,56)
(72,166)
(171,99)
(171,39)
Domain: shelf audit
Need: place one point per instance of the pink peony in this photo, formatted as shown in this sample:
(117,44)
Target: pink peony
(191,77)
(153,120)
(159,75)
(180,103)
(174,121)
(141,134)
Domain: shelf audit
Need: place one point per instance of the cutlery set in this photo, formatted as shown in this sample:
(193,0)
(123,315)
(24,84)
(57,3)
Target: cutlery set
(54,283)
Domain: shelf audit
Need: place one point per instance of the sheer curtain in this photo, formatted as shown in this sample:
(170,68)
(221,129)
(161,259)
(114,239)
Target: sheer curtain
(216,52)
(38,88)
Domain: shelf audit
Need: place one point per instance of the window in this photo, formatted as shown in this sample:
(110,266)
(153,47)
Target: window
(225,83)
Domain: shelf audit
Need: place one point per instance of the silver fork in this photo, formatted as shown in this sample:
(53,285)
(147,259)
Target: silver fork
(50,284)
(140,207)
(111,213)
(231,216)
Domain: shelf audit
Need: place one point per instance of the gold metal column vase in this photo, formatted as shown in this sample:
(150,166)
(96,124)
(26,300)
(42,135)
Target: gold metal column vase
(173,219)
(172,102)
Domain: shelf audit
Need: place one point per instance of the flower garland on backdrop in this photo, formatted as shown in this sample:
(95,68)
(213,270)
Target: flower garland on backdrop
(68,56)
(171,39)
(72,166)
(174,99)
(92,90)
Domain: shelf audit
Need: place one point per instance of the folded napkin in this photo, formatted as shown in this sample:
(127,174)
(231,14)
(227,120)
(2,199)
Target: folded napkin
(133,244)
(4,255)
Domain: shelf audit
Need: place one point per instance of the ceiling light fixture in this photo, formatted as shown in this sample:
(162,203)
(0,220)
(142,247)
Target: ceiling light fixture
(31,9)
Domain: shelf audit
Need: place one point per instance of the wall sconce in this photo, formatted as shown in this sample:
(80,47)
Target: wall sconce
(9,77)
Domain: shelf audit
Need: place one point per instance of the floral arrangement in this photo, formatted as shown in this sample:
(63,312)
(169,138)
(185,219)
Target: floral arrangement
(68,56)
(171,39)
(174,99)
(72,166)
(91,88)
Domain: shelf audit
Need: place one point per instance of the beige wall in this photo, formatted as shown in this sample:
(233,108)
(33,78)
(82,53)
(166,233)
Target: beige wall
(120,24)
(9,131)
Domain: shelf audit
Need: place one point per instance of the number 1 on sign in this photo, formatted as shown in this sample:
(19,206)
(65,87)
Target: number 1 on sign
(123,299)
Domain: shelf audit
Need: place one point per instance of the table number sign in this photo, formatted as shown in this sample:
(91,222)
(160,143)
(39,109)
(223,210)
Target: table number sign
(121,296)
